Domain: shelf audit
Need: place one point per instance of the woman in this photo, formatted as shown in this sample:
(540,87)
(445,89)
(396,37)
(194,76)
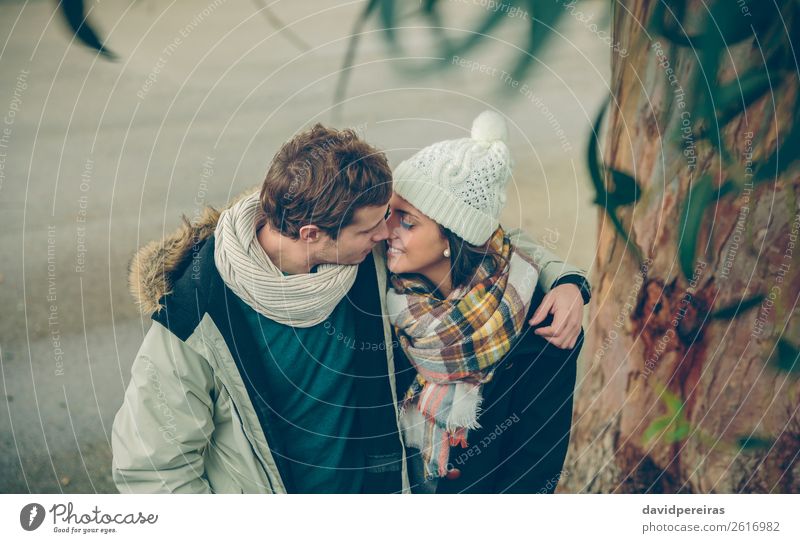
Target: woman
(486,403)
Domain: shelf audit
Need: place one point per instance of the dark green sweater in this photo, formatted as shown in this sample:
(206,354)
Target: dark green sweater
(310,391)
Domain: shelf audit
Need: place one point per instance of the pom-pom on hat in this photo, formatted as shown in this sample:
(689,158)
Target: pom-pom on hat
(461,184)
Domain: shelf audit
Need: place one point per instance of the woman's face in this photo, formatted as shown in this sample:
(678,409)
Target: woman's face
(415,244)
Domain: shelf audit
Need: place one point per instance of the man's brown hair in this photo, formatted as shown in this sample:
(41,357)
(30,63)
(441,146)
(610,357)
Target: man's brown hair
(321,177)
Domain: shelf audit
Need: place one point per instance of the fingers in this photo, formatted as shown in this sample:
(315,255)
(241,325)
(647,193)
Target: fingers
(571,338)
(566,325)
(574,341)
(563,335)
(546,332)
(555,332)
(564,340)
(572,330)
(563,332)
(542,311)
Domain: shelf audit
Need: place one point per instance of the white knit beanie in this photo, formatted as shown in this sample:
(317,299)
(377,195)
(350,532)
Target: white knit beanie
(461,184)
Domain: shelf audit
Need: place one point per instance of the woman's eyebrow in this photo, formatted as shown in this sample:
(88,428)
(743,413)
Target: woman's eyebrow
(405,212)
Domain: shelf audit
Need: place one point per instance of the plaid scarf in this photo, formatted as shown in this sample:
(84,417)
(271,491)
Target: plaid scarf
(455,345)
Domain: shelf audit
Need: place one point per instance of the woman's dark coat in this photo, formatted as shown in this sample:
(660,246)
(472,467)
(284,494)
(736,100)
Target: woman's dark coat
(525,421)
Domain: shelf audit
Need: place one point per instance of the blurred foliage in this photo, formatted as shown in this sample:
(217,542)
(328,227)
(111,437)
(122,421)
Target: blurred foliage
(770,31)
(722,29)
(727,32)
(734,310)
(786,357)
(671,427)
(76,17)
(540,16)
(626,190)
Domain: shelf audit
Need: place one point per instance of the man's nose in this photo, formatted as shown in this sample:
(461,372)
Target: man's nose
(392,224)
(382,233)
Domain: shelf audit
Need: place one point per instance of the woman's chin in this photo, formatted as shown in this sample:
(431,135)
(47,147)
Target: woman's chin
(394,264)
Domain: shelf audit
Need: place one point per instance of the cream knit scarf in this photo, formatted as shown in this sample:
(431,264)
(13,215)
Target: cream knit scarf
(300,300)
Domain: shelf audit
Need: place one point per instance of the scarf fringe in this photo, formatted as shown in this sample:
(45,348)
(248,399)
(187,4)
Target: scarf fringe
(466,408)
(413,425)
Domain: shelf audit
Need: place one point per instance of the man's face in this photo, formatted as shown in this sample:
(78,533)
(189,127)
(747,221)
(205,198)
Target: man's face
(356,240)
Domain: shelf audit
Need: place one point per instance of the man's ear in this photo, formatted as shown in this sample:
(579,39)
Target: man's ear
(310,233)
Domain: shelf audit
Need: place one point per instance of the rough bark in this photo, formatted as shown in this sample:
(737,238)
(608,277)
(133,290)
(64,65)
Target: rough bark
(650,327)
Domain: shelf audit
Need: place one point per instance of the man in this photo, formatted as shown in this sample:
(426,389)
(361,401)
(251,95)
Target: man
(268,366)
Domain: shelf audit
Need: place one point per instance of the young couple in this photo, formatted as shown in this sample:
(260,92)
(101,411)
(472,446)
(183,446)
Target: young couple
(351,329)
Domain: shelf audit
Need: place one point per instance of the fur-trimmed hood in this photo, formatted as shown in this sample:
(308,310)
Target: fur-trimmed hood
(154,268)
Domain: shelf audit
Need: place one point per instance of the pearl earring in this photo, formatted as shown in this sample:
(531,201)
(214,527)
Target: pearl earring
(446,253)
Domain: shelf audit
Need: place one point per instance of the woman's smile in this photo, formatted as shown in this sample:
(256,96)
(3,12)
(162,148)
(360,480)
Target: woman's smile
(393,250)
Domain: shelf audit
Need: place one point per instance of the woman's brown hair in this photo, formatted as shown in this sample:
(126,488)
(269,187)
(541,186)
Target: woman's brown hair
(465,258)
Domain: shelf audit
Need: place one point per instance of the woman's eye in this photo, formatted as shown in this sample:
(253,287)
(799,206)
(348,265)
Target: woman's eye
(405,224)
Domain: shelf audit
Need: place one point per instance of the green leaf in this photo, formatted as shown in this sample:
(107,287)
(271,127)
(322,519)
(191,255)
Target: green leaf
(733,98)
(674,422)
(626,189)
(786,152)
(656,427)
(733,310)
(785,357)
(673,402)
(595,169)
(680,431)
(753,443)
(672,31)
(428,6)
(350,54)
(724,26)
(542,18)
(726,188)
(700,195)
(731,26)
(77,18)
(387,15)
(486,26)
(598,178)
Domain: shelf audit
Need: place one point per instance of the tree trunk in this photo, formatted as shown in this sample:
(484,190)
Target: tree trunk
(651,327)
